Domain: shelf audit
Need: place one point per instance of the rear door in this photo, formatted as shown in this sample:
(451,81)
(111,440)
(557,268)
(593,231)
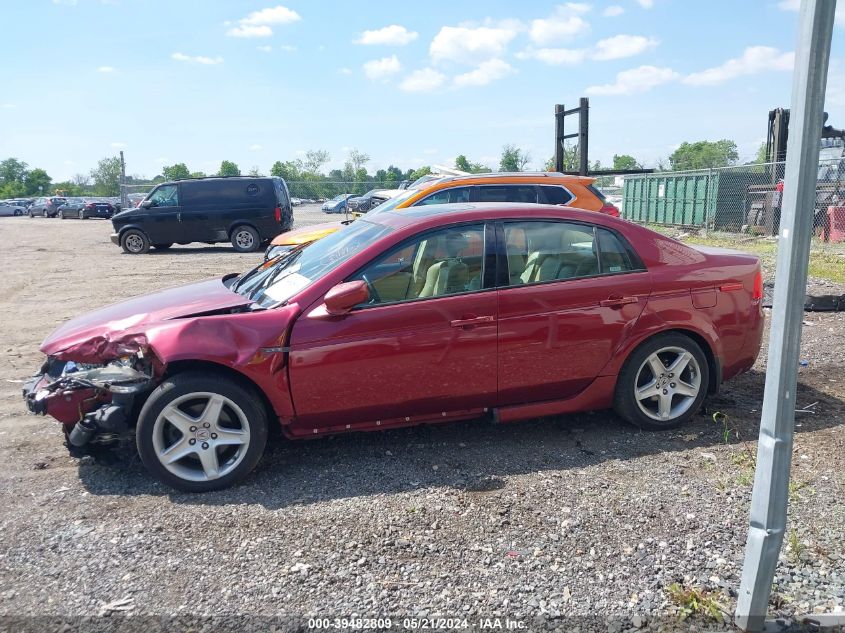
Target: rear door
(572,294)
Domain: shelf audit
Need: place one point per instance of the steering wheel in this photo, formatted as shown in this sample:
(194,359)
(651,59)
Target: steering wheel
(374,295)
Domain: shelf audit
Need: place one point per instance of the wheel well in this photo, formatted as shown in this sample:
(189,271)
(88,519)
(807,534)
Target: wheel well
(244,223)
(181,366)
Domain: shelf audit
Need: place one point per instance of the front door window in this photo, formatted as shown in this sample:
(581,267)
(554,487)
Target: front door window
(165,196)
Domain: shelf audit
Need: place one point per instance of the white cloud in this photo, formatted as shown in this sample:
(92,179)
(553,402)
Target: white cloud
(247,30)
(106,69)
(256,147)
(118,145)
(382,69)
(555,56)
(197,59)
(288,48)
(265,49)
(565,23)
(393,35)
(646,4)
(344,71)
(612,11)
(755,59)
(616,47)
(635,80)
(7,106)
(272,15)
(423,80)
(260,23)
(470,44)
(620,46)
(487,72)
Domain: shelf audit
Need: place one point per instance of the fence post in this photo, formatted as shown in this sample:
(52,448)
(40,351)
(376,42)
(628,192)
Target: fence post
(770,496)
(124,201)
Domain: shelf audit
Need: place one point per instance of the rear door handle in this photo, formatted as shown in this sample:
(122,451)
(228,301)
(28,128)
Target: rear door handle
(470,321)
(617,302)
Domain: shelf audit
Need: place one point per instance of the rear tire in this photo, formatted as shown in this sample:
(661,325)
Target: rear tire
(245,239)
(45,214)
(61,215)
(663,383)
(213,429)
(135,242)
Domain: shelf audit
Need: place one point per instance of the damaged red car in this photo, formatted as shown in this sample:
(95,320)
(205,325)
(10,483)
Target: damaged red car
(452,312)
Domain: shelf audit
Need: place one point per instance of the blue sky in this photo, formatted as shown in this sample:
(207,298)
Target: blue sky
(407,83)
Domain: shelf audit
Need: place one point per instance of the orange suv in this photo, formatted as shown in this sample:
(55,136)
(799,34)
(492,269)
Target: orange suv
(522,187)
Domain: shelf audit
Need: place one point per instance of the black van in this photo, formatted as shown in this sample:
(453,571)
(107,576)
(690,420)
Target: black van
(242,210)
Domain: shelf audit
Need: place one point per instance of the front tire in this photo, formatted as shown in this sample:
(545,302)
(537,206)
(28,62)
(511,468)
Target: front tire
(199,432)
(245,239)
(663,383)
(135,242)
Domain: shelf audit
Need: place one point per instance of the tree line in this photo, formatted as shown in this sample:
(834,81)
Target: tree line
(307,178)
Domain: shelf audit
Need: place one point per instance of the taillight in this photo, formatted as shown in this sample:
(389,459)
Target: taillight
(609,209)
(757,293)
(278,214)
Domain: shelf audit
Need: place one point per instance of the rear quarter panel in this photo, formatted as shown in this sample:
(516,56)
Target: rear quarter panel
(707,293)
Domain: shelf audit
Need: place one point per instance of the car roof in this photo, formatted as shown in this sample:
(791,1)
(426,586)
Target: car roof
(431,215)
(534,177)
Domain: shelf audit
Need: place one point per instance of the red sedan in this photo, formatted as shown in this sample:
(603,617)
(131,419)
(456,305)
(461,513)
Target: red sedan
(441,313)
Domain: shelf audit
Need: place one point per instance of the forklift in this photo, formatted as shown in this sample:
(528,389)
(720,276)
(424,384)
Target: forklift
(763,200)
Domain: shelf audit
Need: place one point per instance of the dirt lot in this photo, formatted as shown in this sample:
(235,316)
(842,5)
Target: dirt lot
(556,522)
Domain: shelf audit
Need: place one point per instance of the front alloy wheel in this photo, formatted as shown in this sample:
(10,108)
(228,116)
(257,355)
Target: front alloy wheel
(663,383)
(198,432)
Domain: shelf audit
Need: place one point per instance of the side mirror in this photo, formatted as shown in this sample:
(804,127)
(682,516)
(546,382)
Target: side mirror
(343,297)
(146,204)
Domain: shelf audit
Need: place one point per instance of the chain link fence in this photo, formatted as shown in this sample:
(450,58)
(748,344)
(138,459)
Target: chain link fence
(743,199)
(328,189)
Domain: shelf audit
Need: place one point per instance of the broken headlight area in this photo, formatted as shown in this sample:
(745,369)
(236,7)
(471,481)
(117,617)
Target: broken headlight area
(90,400)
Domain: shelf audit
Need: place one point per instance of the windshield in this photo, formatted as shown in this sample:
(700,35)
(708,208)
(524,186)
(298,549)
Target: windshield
(340,197)
(75,201)
(277,280)
(391,204)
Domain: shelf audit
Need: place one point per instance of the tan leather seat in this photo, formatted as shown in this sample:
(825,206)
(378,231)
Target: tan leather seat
(450,275)
(544,260)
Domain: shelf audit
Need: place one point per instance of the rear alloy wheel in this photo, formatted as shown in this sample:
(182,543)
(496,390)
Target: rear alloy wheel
(245,239)
(45,214)
(200,432)
(135,242)
(663,384)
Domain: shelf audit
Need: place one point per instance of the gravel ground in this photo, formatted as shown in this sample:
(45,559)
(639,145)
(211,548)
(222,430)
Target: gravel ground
(577,522)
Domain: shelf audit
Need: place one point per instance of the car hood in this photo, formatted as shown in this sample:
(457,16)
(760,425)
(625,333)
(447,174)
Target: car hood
(90,335)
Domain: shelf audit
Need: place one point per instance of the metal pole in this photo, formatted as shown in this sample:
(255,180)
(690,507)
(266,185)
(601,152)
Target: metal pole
(559,125)
(774,449)
(583,132)
(124,201)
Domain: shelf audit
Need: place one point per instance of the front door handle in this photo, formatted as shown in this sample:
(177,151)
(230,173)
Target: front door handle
(472,320)
(615,301)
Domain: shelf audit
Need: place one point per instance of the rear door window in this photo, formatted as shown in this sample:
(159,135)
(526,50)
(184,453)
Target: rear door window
(508,193)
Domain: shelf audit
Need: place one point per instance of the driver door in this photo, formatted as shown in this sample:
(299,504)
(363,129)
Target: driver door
(163,218)
(424,346)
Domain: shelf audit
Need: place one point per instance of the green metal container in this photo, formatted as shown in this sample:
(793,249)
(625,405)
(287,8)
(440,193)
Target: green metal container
(675,199)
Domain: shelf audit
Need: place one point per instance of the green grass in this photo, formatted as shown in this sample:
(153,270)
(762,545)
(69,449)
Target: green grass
(692,601)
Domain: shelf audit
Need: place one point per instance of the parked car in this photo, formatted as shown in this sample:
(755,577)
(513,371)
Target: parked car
(526,187)
(135,199)
(336,204)
(302,236)
(243,210)
(450,312)
(10,208)
(46,207)
(370,200)
(84,208)
(296,202)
